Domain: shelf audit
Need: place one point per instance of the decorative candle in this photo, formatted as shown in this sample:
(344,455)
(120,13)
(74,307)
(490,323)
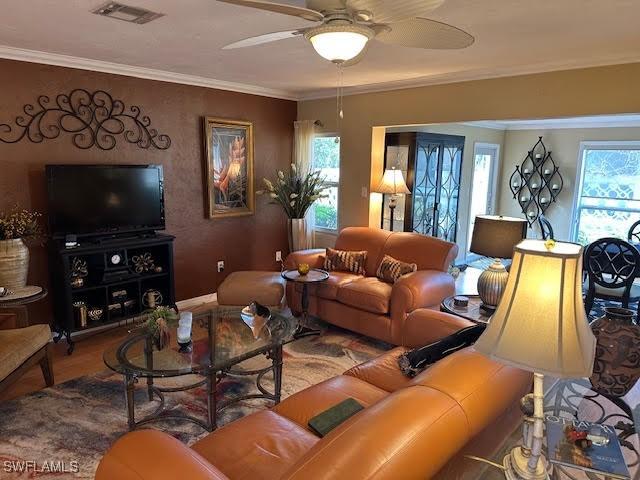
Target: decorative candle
(543,200)
(538,156)
(516,185)
(184,327)
(526,171)
(534,185)
(554,186)
(523,199)
(532,214)
(547,171)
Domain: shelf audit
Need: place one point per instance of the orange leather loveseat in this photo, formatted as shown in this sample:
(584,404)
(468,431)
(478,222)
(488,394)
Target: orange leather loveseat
(410,428)
(370,306)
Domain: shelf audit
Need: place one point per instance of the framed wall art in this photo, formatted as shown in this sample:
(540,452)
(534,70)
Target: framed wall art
(228,167)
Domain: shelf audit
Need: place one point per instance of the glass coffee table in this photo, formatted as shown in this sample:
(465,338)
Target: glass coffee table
(222,338)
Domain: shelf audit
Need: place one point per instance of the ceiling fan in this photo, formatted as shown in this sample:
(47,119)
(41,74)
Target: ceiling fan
(347,26)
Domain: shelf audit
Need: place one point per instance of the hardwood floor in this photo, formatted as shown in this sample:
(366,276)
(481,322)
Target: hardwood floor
(87,357)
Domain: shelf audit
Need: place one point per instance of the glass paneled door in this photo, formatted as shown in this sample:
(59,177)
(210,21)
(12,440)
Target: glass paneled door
(435,185)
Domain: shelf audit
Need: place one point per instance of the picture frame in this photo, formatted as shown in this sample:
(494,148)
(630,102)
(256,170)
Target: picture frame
(228,166)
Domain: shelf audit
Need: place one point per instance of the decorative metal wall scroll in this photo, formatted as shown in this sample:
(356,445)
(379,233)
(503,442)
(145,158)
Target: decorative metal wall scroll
(94,119)
(536,182)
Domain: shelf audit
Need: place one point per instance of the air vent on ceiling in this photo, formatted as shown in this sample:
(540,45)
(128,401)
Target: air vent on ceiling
(126,13)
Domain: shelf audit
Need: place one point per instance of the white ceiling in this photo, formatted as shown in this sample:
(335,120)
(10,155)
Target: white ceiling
(512,37)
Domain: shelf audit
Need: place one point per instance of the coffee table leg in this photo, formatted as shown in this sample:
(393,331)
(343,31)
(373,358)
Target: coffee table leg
(212,413)
(129,382)
(303,329)
(148,354)
(276,361)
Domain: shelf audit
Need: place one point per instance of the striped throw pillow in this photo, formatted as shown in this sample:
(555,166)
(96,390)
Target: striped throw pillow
(390,269)
(345,261)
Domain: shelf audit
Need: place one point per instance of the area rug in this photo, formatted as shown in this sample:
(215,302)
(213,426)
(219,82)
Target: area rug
(77,421)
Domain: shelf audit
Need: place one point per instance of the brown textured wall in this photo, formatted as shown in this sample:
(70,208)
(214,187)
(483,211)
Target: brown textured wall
(243,243)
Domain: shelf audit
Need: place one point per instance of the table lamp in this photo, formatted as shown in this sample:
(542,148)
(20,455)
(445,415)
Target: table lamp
(392,183)
(540,326)
(495,236)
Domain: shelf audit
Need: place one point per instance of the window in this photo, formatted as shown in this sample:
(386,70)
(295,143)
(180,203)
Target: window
(485,163)
(326,158)
(608,194)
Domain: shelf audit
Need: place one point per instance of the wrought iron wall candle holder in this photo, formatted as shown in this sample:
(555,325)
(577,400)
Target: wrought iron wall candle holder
(93,119)
(536,182)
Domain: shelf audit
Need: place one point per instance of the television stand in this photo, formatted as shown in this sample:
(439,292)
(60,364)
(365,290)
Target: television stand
(86,278)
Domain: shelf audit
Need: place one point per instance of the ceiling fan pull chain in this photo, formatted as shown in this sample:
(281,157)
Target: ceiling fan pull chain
(339,99)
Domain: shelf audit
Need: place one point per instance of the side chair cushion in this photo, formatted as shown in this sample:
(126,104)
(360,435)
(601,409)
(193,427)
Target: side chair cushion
(17,345)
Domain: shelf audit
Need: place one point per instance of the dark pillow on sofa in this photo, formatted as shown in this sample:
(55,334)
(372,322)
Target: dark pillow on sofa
(345,261)
(413,362)
(390,269)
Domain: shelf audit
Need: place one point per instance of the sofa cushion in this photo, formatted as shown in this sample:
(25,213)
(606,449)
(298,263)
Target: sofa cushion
(345,261)
(306,404)
(17,345)
(369,294)
(261,445)
(329,288)
(429,253)
(363,238)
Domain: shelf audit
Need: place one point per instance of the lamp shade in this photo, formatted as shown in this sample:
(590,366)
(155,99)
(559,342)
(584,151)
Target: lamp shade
(540,324)
(495,236)
(392,182)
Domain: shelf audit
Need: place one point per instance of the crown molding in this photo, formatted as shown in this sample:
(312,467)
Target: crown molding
(591,121)
(34,56)
(471,75)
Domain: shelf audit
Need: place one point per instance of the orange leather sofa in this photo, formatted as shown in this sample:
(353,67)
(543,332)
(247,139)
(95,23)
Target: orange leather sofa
(370,306)
(410,428)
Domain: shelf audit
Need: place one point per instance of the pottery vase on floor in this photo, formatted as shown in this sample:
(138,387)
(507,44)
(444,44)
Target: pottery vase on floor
(616,368)
(14,263)
(298,237)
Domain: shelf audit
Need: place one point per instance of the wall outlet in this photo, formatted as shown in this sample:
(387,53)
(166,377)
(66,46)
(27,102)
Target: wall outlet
(220,266)
(364,192)
(278,256)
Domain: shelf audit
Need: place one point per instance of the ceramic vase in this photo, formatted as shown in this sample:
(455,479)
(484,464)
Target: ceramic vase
(298,238)
(491,284)
(616,367)
(14,263)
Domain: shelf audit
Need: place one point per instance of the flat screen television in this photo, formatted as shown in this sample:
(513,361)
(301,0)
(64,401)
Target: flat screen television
(104,199)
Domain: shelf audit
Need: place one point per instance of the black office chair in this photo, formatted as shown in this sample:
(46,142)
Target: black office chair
(545,228)
(634,233)
(612,265)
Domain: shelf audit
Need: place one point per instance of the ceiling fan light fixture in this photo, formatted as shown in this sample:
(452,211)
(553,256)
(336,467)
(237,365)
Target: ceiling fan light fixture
(339,43)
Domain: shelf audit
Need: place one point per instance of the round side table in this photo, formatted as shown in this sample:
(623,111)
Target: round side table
(17,300)
(315,275)
(471,312)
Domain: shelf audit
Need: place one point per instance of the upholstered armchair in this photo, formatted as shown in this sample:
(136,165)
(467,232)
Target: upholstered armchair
(21,347)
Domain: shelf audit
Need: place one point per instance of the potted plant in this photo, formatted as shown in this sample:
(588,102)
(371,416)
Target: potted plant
(16,226)
(295,193)
(157,324)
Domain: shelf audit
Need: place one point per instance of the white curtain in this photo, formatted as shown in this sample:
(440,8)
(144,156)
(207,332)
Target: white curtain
(304,131)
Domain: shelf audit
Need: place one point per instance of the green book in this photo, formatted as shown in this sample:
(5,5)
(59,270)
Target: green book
(326,421)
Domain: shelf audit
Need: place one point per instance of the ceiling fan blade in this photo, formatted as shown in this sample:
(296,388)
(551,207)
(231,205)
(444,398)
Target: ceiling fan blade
(260,39)
(385,11)
(425,33)
(292,10)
